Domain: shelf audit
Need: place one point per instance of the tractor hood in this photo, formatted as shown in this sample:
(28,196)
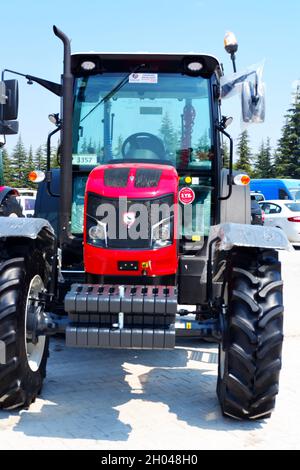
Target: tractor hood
(133,180)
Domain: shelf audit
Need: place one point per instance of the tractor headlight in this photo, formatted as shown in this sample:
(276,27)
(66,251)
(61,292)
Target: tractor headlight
(162,233)
(97,234)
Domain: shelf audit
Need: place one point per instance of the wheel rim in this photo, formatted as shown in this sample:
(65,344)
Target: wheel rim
(34,350)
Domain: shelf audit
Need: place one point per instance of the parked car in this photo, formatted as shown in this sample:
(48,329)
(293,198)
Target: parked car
(27,203)
(257,214)
(27,192)
(257,195)
(284,215)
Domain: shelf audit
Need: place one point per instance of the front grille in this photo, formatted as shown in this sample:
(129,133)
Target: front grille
(147,178)
(116,177)
(115,212)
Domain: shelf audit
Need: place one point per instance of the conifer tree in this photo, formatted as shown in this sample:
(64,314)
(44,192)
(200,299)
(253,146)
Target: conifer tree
(225,154)
(19,164)
(40,158)
(263,162)
(287,159)
(243,162)
(169,135)
(30,167)
(6,168)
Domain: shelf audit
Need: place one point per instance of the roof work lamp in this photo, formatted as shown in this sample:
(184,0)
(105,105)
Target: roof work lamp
(231,46)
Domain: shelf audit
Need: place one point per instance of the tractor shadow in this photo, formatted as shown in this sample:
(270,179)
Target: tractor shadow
(105,395)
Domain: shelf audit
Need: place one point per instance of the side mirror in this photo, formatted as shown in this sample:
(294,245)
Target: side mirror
(9,100)
(9,127)
(253,102)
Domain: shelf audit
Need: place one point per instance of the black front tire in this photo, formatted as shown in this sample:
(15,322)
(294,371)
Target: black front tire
(250,353)
(20,382)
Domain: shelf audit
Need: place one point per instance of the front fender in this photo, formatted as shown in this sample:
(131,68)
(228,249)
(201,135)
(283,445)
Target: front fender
(23,227)
(5,190)
(229,235)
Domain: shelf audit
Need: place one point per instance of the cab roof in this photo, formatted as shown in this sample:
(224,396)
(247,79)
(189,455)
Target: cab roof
(154,62)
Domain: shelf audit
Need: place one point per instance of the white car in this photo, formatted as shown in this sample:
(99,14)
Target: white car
(284,214)
(26,192)
(257,195)
(27,203)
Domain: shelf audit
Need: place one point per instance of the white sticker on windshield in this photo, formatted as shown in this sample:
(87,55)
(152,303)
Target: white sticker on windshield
(143,78)
(84,159)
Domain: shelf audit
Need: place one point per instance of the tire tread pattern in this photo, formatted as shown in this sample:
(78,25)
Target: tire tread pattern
(19,386)
(253,337)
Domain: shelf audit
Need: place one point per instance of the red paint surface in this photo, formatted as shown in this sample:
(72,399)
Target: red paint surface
(162,261)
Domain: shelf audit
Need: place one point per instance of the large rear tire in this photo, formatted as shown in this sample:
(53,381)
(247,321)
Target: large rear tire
(250,352)
(24,356)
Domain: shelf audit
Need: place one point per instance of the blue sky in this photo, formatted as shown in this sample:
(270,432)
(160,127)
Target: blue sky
(265,29)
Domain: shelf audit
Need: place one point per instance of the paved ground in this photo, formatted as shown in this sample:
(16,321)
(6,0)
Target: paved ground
(154,400)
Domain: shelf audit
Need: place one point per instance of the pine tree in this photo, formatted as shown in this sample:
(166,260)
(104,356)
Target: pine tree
(1,169)
(225,154)
(99,149)
(30,167)
(30,163)
(84,146)
(7,177)
(118,149)
(263,162)
(203,144)
(169,135)
(40,158)
(243,162)
(19,164)
(54,158)
(287,159)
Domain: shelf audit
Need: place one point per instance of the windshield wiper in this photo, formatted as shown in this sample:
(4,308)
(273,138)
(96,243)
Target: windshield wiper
(112,92)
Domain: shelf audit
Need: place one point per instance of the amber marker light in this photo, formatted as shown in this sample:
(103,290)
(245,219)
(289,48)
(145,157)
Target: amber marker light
(36,176)
(241,179)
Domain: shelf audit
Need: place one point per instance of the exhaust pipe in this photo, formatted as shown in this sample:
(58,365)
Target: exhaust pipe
(66,141)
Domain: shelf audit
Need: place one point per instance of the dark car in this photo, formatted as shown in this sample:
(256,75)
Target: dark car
(257,214)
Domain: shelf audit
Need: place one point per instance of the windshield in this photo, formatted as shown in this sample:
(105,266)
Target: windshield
(161,118)
(257,197)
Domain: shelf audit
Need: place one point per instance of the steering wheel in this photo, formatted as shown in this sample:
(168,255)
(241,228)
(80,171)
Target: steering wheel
(143,141)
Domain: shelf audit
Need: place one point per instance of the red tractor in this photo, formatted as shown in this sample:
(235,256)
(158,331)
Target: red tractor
(140,223)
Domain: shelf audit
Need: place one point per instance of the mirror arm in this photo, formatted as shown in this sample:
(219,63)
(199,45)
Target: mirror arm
(55,88)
